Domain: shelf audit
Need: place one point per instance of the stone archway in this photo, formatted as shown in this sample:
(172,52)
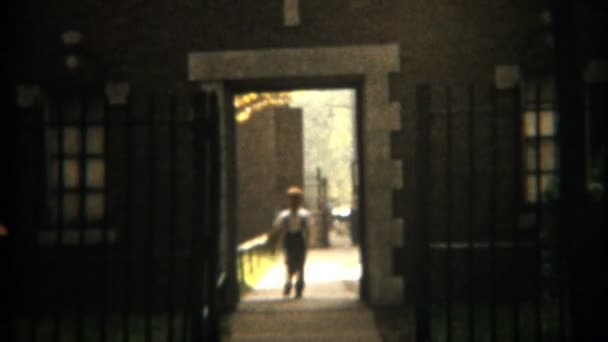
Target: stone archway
(380,174)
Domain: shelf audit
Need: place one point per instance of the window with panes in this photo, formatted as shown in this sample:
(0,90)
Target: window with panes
(540,149)
(76,147)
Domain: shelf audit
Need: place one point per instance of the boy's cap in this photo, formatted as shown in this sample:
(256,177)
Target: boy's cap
(294,190)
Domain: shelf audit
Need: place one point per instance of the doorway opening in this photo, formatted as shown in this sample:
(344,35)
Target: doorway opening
(305,138)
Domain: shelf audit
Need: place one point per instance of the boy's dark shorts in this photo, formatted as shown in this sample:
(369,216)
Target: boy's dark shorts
(295,251)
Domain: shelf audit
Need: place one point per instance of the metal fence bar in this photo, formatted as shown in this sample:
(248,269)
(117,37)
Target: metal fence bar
(538,210)
(214,209)
(82,216)
(190,309)
(103,319)
(172,215)
(573,195)
(197,274)
(205,202)
(448,214)
(493,210)
(60,192)
(515,257)
(471,211)
(39,209)
(151,224)
(127,249)
(423,184)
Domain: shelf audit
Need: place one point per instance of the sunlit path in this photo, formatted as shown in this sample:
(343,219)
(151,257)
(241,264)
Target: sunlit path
(329,310)
(330,274)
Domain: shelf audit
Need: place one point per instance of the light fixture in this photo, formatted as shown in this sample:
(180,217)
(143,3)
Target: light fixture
(71,41)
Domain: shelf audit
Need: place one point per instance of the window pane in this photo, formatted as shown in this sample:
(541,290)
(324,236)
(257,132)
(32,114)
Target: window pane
(95,172)
(71,139)
(548,156)
(53,171)
(53,209)
(548,187)
(544,95)
(531,189)
(95,139)
(71,173)
(95,207)
(530,157)
(547,123)
(51,140)
(71,207)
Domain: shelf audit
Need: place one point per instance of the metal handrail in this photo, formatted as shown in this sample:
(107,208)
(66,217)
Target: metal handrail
(248,249)
(256,242)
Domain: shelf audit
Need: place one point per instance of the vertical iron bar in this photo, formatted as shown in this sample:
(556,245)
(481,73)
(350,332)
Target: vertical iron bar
(103,322)
(423,184)
(207,283)
(82,224)
(213,213)
(172,213)
(241,265)
(573,204)
(39,125)
(127,249)
(472,212)
(538,211)
(448,215)
(198,265)
(493,210)
(189,307)
(515,212)
(562,240)
(60,192)
(151,223)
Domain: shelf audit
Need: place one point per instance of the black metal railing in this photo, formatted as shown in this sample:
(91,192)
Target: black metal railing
(118,223)
(484,263)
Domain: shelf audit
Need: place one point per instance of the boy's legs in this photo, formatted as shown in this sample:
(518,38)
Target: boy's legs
(300,268)
(300,282)
(291,270)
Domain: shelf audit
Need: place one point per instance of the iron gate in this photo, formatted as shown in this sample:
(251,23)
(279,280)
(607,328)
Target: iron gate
(489,258)
(117,226)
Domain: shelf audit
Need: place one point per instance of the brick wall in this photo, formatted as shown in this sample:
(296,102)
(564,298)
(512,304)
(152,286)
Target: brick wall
(147,41)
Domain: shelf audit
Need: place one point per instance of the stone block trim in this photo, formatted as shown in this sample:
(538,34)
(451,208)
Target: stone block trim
(294,62)
(372,64)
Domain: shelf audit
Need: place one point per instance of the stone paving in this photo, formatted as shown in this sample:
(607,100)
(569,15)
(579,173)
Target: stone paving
(329,310)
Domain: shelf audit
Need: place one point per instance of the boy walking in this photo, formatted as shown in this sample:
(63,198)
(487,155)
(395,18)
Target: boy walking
(295,224)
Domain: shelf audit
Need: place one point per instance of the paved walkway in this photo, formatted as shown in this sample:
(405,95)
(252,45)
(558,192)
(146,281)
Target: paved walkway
(329,310)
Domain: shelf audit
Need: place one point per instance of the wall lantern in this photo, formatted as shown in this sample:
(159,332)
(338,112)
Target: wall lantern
(71,41)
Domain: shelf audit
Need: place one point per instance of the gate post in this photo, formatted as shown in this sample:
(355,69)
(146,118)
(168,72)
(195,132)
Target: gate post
(204,247)
(575,234)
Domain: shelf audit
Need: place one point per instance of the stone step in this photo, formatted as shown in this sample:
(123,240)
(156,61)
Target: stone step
(297,322)
(357,336)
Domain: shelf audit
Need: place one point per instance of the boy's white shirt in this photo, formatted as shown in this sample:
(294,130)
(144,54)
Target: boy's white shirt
(294,220)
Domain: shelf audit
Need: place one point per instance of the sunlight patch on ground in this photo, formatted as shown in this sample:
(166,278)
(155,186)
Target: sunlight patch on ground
(315,273)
